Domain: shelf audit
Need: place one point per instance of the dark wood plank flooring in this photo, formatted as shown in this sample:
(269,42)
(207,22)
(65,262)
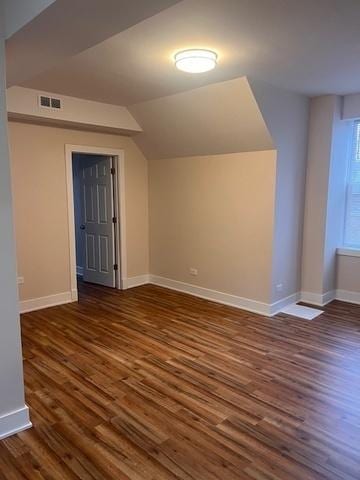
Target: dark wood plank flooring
(154,384)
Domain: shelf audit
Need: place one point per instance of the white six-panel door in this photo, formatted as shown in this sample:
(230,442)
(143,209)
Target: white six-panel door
(98,226)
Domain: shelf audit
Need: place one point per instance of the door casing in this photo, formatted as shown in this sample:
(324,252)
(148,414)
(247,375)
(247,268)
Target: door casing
(119,204)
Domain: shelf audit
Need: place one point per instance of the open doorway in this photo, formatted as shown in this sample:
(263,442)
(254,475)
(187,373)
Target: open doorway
(95,179)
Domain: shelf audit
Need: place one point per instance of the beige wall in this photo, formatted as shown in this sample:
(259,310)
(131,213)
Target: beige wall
(348,273)
(325,194)
(215,214)
(351,107)
(286,116)
(39,190)
(317,182)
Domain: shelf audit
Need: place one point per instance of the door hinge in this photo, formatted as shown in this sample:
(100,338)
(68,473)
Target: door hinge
(112,170)
(114,220)
(116,267)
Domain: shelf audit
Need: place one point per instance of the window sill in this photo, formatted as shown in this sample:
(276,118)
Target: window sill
(349,252)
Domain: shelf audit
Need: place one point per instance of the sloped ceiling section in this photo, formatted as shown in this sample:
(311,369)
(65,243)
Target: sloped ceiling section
(214,119)
(23,104)
(19,12)
(68,27)
(282,111)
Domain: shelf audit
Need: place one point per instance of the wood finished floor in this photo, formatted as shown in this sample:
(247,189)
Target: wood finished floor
(154,384)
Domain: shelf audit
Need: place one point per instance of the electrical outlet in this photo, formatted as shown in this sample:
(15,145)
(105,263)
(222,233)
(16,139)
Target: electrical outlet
(279,287)
(20,280)
(193,271)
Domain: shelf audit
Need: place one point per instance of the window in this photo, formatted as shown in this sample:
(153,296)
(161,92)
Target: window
(352,214)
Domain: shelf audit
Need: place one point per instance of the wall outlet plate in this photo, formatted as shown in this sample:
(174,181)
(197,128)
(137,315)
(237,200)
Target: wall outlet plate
(193,271)
(20,280)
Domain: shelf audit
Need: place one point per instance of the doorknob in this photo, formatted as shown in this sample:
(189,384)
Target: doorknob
(82,227)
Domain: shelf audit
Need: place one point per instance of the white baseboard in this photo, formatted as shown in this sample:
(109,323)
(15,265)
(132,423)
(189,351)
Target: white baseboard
(322,300)
(254,306)
(14,422)
(49,301)
(250,305)
(135,281)
(317,298)
(348,296)
(278,306)
(80,271)
(329,297)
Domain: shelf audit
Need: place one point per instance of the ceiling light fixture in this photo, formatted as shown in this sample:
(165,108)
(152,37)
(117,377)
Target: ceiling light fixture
(196,60)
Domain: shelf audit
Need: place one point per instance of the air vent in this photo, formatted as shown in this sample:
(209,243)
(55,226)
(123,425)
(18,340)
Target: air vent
(50,102)
(45,101)
(55,103)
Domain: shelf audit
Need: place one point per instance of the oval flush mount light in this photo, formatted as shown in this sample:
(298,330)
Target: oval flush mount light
(196,60)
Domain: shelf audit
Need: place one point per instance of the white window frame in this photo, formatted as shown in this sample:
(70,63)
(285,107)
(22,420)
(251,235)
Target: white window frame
(354,148)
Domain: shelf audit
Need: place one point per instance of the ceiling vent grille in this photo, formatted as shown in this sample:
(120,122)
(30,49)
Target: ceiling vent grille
(50,102)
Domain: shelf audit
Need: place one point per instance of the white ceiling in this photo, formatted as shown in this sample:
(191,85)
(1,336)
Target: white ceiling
(19,12)
(308,46)
(66,28)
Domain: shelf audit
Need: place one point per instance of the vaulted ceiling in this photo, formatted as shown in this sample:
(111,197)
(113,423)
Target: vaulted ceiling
(219,118)
(121,52)
(65,29)
(311,47)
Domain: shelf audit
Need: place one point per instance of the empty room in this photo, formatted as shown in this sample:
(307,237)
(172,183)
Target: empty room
(179,240)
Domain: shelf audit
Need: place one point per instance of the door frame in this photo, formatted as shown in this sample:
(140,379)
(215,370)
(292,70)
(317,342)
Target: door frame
(120,226)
